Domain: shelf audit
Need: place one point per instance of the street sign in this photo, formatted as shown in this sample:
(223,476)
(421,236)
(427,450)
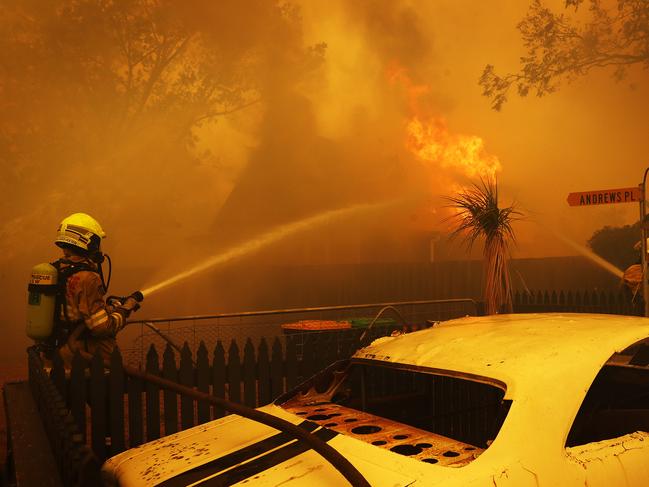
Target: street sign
(605,197)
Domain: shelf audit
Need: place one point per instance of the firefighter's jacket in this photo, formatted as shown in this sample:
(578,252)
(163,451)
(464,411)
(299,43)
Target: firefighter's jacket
(93,324)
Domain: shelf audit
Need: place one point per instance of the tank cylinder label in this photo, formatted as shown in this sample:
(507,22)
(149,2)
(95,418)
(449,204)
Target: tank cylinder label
(41,279)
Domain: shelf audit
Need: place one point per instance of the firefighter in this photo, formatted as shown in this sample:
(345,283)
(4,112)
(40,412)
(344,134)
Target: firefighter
(632,277)
(85,321)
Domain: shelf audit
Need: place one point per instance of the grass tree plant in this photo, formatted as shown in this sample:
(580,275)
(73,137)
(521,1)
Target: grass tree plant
(478,216)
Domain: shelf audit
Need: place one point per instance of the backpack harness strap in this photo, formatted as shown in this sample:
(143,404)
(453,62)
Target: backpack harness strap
(64,327)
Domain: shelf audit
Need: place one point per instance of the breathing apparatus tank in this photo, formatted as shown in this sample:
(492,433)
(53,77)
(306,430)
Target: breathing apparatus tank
(41,301)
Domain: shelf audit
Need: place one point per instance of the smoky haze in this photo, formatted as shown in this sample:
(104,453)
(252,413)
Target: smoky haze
(191,127)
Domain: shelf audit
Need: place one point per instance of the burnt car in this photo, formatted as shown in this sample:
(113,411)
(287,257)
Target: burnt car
(508,400)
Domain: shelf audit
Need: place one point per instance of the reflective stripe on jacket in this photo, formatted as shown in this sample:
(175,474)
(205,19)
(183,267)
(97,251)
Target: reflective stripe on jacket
(84,303)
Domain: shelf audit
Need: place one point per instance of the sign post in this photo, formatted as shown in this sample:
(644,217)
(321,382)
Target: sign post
(643,242)
(622,195)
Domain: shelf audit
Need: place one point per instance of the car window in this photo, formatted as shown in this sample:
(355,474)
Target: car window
(433,417)
(617,402)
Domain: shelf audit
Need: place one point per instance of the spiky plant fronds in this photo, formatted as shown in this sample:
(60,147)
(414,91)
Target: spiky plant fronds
(478,215)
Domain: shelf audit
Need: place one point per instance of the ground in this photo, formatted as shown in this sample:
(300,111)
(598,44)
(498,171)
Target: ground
(8,373)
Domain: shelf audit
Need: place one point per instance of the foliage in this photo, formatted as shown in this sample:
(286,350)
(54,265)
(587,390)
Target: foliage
(80,78)
(617,244)
(561,47)
(479,216)
(100,100)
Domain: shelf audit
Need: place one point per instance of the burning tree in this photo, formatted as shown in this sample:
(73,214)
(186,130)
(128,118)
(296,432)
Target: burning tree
(478,215)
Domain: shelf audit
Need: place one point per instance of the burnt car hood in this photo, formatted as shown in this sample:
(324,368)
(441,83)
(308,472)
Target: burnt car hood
(236,450)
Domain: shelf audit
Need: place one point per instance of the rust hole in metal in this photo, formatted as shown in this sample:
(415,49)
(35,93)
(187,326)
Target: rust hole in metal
(424,445)
(320,409)
(469,448)
(430,460)
(379,442)
(301,413)
(400,437)
(329,425)
(351,420)
(366,429)
(451,453)
(406,450)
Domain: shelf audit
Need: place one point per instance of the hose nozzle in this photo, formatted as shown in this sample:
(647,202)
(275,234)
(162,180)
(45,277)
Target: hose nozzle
(138,296)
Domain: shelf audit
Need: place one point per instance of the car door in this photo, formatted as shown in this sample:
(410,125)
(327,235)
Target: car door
(609,437)
(620,461)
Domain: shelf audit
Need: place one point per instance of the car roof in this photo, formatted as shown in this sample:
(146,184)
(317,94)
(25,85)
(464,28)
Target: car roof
(525,352)
(545,362)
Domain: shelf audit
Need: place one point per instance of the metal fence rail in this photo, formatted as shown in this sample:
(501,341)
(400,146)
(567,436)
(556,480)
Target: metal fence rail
(257,325)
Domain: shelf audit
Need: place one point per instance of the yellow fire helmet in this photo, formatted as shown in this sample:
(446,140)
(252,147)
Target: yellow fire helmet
(78,230)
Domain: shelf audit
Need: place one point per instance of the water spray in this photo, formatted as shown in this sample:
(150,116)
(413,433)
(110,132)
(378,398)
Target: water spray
(604,264)
(586,252)
(265,239)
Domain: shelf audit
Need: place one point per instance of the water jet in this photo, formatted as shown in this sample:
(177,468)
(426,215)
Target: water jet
(265,239)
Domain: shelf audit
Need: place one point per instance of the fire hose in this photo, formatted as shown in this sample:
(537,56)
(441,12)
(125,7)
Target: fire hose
(331,455)
(378,315)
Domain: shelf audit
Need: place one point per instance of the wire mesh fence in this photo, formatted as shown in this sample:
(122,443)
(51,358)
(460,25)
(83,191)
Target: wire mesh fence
(258,325)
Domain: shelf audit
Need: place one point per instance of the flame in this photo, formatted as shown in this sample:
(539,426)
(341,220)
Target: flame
(398,75)
(429,139)
(431,142)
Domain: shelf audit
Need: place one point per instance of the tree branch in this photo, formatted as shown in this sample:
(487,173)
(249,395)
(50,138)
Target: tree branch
(557,48)
(224,112)
(162,62)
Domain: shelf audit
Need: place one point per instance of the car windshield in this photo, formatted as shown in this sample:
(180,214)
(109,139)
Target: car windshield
(435,417)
